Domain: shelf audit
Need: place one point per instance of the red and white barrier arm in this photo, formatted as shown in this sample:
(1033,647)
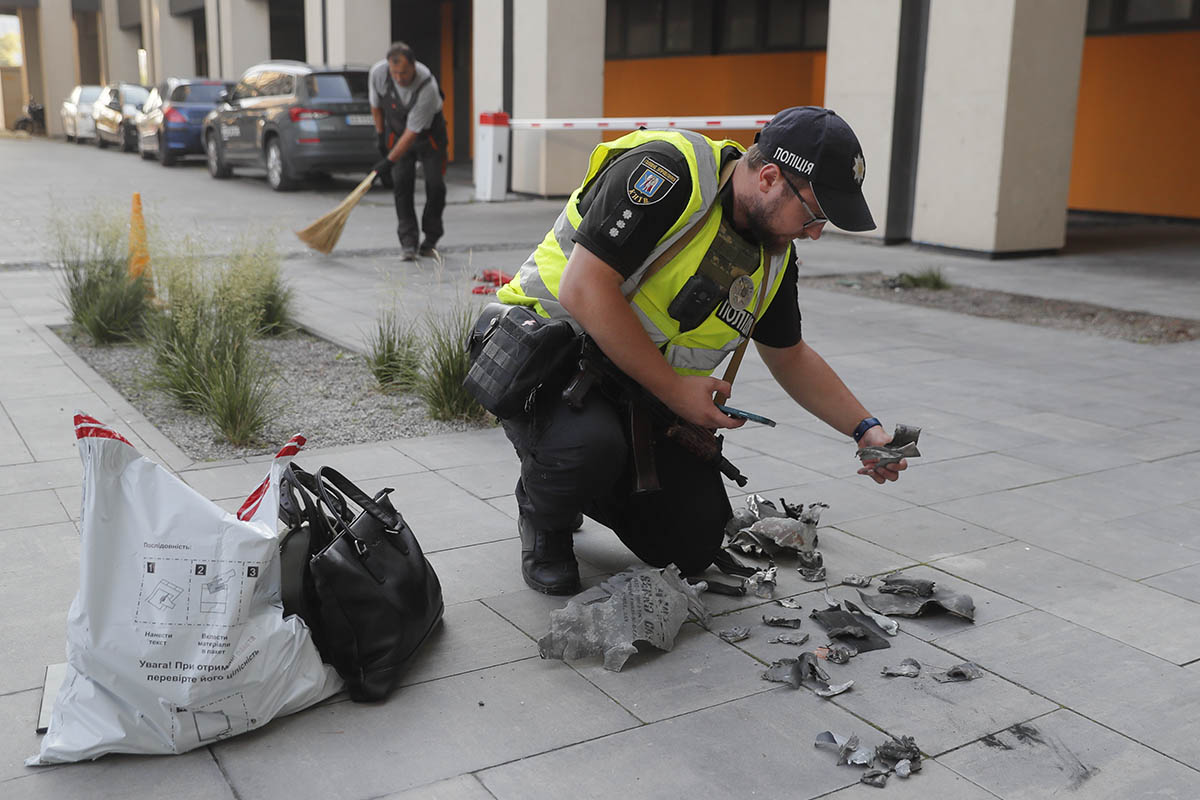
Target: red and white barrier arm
(736,123)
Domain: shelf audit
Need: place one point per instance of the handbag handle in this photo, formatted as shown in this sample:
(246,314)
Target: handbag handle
(329,478)
(296,481)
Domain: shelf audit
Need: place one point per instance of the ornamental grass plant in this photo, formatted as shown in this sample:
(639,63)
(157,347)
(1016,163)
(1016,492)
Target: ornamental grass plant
(446,365)
(930,278)
(104,301)
(394,351)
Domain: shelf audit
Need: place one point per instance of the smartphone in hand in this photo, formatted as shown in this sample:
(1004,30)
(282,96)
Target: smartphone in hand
(737,413)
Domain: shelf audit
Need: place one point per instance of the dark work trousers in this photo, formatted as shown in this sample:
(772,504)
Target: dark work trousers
(404,175)
(573,461)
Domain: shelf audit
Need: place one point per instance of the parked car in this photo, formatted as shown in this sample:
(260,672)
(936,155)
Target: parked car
(114,111)
(172,117)
(293,119)
(76,113)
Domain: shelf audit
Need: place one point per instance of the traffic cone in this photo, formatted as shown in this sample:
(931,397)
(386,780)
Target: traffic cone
(139,256)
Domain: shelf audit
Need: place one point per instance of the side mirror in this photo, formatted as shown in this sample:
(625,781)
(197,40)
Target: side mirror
(223,97)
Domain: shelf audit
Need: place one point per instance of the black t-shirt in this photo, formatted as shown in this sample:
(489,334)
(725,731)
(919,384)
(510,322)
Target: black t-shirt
(632,203)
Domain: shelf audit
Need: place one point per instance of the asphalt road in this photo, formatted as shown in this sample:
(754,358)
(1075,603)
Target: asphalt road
(46,183)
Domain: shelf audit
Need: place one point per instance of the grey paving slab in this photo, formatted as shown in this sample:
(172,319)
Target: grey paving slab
(40,382)
(464,787)
(529,611)
(1118,492)
(459,449)
(1113,546)
(12,446)
(927,483)
(765,473)
(39,575)
(922,533)
(1076,458)
(1154,621)
(485,481)
(360,462)
(71,499)
(1139,695)
(470,637)
(227,482)
(933,781)
(849,498)
(443,515)
(992,435)
(191,776)
(26,509)
(478,571)
(424,733)
(690,756)
(1183,582)
(17,738)
(699,671)
(1063,427)
(812,451)
(1063,754)
(1015,514)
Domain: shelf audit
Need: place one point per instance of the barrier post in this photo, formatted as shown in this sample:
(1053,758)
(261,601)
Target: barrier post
(491,156)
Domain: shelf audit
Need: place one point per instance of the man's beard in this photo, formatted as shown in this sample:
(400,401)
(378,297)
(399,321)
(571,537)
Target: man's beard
(757,218)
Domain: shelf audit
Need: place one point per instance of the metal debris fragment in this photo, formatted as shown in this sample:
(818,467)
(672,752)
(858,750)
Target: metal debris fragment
(966,671)
(763,582)
(794,671)
(789,602)
(909,668)
(960,605)
(839,653)
(874,777)
(729,565)
(742,518)
(886,624)
(862,581)
(902,445)
(789,638)
(734,634)
(832,689)
(782,622)
(785,670)
(762,508)
(903,768)
(851,631)
(896,750)
(810,559)
(899,584)
(829,740)
(836,620)
(727,589)
(641,605)
(812,575)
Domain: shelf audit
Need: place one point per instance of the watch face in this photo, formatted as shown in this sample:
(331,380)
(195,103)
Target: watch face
(740,292)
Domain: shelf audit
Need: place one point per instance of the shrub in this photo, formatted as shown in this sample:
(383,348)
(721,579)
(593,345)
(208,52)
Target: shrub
(394,353)
(238,395)
(446,365)
(252,277)
(103,300)
(925,279)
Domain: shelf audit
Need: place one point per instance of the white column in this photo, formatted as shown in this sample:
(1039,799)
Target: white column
(558,71)
(118,50)
(359,30)
(314,40)
(860,85)
(172,49)
(239,36)
(58,71)
(487,56)
(997,123)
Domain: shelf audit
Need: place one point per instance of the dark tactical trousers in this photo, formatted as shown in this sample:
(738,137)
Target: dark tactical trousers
(404,175)
(574,461)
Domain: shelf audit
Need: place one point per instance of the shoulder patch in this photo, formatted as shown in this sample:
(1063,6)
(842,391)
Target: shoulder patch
(649,182)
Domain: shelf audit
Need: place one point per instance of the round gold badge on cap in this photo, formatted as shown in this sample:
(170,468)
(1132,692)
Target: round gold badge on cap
(740,292)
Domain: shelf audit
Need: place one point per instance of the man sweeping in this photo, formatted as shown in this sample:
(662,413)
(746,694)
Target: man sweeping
(407,106)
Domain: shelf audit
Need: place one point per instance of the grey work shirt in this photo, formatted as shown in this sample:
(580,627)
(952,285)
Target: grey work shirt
(428,102)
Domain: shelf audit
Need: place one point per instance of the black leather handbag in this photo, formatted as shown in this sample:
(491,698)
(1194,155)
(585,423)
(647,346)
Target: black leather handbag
(367,591)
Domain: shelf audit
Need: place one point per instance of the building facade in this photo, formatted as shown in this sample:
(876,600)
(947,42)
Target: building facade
(982,121)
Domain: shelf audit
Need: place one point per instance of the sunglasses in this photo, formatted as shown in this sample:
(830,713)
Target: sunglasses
(816,220)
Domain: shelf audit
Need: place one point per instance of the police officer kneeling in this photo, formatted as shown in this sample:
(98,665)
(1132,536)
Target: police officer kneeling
(734,278)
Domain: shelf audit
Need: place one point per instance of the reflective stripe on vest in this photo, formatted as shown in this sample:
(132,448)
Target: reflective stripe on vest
(697,351)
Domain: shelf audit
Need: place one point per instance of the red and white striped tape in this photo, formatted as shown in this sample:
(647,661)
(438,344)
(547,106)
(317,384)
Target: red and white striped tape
(289,450)
(91,428)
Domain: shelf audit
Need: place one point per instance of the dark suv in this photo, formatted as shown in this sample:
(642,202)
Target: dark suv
(293,119)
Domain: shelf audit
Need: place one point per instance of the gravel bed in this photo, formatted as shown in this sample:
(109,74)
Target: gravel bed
(324,392)
(1132,326)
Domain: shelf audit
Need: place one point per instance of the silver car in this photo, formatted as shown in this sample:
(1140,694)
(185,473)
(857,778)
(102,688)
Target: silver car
(76,113)
(292,119)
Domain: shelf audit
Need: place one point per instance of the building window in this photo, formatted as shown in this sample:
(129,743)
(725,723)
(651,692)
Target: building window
(651,28)
(1142,16)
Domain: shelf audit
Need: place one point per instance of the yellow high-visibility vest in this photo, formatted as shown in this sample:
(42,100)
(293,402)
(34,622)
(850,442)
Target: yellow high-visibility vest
(694,352)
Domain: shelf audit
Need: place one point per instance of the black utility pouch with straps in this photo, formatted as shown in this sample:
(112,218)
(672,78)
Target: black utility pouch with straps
(514,351)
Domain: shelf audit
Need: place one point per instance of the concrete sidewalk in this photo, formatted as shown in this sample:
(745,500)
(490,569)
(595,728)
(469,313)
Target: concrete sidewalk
(1060,487)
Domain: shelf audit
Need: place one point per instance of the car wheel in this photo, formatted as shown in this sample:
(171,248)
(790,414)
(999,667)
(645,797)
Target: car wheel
(100,139)
(128,142)
(278,177)
(216,161)
(164,155)
(141,146)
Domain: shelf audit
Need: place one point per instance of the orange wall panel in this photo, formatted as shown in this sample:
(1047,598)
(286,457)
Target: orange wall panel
(724,85)
(1137,125)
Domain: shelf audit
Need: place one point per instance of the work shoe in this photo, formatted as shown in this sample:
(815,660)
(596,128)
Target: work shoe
(408,254)
(427,248)
(548,560)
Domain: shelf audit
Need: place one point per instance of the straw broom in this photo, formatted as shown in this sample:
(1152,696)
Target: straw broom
(323,234)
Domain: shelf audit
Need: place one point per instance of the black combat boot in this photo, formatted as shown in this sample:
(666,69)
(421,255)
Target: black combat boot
(548,560)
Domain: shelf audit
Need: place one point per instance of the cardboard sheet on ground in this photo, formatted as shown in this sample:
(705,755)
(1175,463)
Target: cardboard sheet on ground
(176,638)
(639,605)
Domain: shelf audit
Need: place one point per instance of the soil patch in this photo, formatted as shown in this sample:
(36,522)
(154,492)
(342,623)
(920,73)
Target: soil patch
(324,392)
(1115,323)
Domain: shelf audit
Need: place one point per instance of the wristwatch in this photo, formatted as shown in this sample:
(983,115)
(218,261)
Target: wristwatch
(864,426)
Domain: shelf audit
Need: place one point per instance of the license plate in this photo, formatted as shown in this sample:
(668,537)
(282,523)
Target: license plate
(360,119)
